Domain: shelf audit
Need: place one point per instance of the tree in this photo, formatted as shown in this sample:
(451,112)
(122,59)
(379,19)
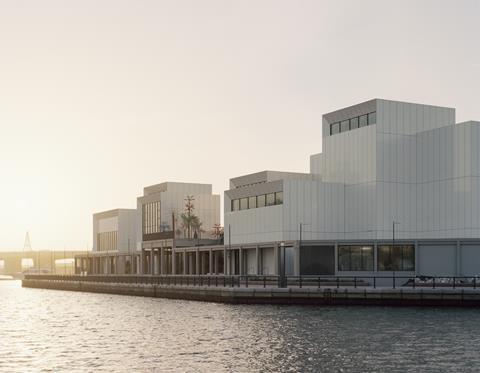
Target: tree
(189,219)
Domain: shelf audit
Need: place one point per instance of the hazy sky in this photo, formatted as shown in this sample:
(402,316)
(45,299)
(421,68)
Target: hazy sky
(100,98)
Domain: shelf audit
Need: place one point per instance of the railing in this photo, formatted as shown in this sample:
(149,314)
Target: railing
(257,281)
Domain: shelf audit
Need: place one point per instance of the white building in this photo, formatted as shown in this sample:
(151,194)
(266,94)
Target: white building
(163,228)
(169,215)
(385,166)
(114,236)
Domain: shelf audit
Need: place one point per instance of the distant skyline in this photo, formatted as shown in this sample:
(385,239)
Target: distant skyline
(101,98)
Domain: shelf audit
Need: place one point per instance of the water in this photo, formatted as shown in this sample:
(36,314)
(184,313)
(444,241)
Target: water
(48,330)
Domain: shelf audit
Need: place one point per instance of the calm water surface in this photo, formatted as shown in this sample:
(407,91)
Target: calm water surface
(48,330)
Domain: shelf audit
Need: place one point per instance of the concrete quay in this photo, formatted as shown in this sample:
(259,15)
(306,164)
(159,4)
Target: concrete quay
(362,296)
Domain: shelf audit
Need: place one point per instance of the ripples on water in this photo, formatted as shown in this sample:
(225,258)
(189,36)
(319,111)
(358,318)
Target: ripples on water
(48,330)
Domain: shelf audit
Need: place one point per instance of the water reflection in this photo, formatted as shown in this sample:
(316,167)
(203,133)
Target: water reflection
(63,331)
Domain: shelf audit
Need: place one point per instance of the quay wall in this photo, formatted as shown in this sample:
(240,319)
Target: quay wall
(305,296)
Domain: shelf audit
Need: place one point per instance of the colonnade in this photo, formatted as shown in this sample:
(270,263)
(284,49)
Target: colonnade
(237,260)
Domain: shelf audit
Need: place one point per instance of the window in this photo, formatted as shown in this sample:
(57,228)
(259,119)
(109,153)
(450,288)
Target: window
(235,205)
(270,199)
(355,258)
(354,123)
(397,258)
(151,217)
(252,202)
(363,120)
(334,128)
(243,203)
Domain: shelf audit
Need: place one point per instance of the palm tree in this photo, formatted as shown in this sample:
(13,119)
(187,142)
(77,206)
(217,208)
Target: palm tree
(197,225)
(187,220)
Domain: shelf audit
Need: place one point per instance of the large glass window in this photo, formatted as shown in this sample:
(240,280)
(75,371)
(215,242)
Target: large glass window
(344,126)
(372,118)
(363,121)
(151,217)
(355,258)
(396,258)
(270,199)
(235,205)
(334,128)
(243,203)
(354,123)
(263,200)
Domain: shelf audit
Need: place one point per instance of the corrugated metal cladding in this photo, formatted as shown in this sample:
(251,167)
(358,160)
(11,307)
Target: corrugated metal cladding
(351,111)
(415,166)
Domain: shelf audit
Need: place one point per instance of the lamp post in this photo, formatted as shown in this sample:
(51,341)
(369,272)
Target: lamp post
(393,246)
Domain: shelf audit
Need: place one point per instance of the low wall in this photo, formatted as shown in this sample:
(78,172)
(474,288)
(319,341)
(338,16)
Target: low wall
(318,296)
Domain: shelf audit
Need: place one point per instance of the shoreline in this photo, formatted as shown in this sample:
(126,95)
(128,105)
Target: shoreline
(326,296)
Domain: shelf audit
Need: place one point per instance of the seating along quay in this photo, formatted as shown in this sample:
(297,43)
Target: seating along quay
(388,214)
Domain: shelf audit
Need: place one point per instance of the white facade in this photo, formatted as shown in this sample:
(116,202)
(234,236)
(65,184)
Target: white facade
(115,230)
(409,164)
(172,198)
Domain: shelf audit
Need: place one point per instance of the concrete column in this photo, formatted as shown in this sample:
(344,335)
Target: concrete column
(141,261)
(184,255)
(241,263)
(375,256)
(152,261)
(174,262)
(335,253)
(211,270)
(458,258)
(296,262)
(215,262)
(197,262)
(225,270)
(75,265)
(257,260)
(276,256)
(417,256)
(162,261)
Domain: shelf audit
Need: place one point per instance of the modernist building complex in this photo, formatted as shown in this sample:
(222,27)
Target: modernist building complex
(396,189)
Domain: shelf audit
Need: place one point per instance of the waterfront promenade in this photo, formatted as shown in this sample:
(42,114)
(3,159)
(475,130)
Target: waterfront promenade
(266,289)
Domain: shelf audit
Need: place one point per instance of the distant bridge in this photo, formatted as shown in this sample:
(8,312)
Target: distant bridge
(43,260)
